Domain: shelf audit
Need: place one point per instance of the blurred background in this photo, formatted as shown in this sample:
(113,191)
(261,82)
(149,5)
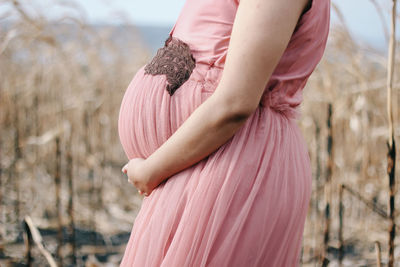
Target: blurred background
(64,67)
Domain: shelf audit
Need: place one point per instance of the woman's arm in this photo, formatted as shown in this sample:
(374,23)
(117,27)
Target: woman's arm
(260,34)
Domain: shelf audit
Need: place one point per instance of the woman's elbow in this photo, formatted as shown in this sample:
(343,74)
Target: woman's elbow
(236,110)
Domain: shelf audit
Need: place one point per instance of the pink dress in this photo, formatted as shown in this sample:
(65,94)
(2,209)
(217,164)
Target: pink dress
(246,203)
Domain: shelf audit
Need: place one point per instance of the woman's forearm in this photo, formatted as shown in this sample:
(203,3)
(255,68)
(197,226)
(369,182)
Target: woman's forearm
(206,129)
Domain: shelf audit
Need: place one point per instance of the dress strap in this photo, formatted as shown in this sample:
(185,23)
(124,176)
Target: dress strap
(172,30)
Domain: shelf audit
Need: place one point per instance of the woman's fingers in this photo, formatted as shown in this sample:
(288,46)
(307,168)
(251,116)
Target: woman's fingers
(143,193)
(124,169)
(131,181)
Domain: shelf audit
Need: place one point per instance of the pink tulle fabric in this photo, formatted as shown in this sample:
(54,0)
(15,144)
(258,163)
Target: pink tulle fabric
(246,203)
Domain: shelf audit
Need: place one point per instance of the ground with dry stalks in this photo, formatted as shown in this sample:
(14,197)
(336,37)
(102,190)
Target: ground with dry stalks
(61,87)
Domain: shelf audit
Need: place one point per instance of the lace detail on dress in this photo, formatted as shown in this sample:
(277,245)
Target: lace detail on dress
(175,60)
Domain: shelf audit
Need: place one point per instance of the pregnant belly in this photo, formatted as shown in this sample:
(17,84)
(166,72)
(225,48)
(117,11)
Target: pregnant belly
(148,115)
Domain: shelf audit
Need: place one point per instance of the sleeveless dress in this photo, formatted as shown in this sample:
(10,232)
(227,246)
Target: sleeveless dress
(246,203)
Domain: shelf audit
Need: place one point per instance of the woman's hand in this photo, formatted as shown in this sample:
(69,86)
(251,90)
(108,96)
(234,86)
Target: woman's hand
(140,176)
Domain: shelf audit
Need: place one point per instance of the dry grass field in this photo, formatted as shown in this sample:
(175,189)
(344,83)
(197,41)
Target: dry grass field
(64,199)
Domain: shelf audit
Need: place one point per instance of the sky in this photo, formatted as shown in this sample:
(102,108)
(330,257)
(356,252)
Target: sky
(360,15)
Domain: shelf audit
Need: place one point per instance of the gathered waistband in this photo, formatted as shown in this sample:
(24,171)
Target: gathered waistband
(210,75)
(176,61)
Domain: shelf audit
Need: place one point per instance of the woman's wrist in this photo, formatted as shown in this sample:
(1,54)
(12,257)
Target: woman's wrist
(153,171)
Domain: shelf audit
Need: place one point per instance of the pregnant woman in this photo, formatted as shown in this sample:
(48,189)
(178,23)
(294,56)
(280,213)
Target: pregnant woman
(209,126)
